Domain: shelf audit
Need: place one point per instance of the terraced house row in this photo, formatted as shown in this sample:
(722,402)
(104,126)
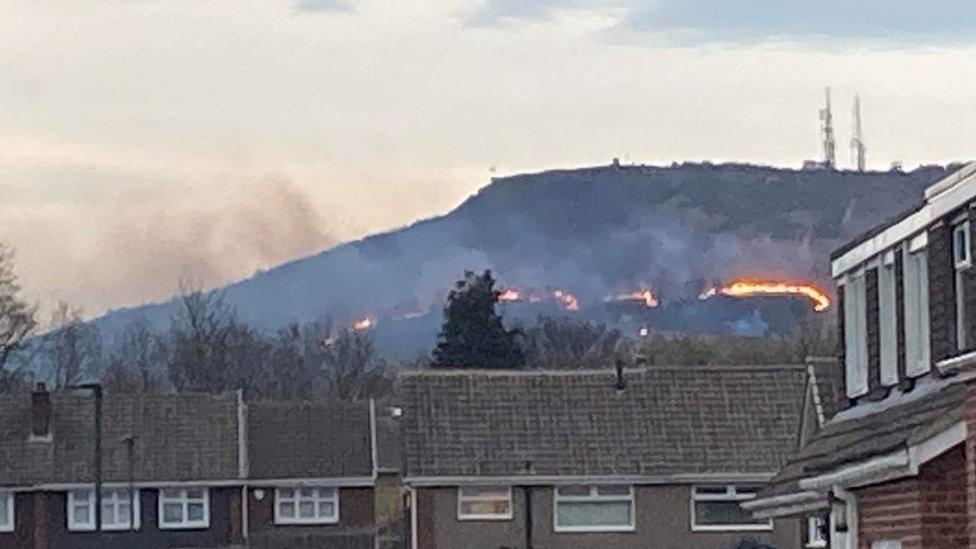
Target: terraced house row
(188,470)
(896,468)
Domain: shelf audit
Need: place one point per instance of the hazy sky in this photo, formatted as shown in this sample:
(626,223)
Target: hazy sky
(146,141)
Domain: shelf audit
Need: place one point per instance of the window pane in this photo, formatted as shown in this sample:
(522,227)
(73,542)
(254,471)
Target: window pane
(286,493)
(172,512)
(594,514)
(194,494)
(492,507)
(327,493)
(722,513)
(484,492)
(573,490)
(746,490)
(5,498)
(613,490)
(82,496)
(108,513)
(82,516)
(195,512)
(307,493)
(170,494)
(286,509)
(327,510)
(306,509)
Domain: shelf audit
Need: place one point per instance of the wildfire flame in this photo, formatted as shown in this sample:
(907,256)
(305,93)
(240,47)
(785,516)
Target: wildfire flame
(568,300)
(509,294)
(645,296)
(749,287)
(364,323)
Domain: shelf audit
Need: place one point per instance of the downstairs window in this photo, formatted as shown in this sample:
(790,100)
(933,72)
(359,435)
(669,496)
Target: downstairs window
(600,508)
(717,508)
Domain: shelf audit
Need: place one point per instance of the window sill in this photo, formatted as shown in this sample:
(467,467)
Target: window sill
(185,526)
(594,529)
(483,518)
(731,527)
(957,364)
(306,522)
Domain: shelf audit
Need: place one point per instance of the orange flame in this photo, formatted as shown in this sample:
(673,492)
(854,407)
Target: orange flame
(568,300)
(748,287)
(509,294)
(645,296)
(364,323)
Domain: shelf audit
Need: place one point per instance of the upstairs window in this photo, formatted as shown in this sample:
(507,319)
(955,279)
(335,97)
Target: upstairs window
(961,260)
(118,509)
(6,511)
(916,285)
(307,505)
(855,336)
(484,503)
(716,508)
(604,508)
(816,532)
(179,509)
(888,320)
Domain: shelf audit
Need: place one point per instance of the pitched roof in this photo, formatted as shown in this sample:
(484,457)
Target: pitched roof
(852,437)
(828,375)
(668,421)
(310,439)
(176,437)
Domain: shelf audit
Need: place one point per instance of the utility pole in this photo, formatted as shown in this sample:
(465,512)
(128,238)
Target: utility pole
(827,130)
(857,142)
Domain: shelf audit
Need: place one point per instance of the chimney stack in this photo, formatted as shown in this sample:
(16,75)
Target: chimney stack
(40,411)
(621,382)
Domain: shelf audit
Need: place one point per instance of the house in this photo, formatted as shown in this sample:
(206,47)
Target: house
(654,457)
(896,468)
(184,470)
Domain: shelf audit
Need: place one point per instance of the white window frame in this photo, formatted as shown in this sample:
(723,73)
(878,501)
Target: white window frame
(855,336)
(732,493)
(816,538)
(74,525)
(961,264)
(115,497)
(184,499)
(476,498)
(888,320)
(317,499)
(886,544)
(917,329)
(594,497)
(9,517)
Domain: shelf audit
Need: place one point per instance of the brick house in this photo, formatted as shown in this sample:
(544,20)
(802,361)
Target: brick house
(657,457)
(897,467)
(186,470)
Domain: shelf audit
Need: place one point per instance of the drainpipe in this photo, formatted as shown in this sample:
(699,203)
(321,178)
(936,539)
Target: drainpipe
(528,516)
(850,520)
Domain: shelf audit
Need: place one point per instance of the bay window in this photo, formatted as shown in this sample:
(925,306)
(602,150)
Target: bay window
(601,508)
(307,505)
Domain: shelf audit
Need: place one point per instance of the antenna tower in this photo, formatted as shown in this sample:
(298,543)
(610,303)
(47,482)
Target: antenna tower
(827,129)
(857,142)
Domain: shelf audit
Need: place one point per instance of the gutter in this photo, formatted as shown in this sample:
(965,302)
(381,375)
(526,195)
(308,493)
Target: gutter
(510,480)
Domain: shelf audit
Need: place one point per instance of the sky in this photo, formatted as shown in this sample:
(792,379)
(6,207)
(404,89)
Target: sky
(152,141)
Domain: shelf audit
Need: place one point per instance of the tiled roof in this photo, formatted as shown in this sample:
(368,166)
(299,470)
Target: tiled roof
(829,377)
(176,437)
(857,438)
(668,421)
(312,439)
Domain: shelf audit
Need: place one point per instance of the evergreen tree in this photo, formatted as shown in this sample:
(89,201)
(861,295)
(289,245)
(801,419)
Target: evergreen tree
(472,335)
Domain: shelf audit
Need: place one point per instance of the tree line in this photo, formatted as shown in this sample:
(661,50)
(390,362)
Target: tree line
(208,348)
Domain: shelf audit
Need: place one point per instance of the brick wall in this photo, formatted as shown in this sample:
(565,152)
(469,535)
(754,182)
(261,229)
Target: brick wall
(929,510)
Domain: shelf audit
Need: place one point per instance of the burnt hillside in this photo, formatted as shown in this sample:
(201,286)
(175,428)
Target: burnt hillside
(592,232)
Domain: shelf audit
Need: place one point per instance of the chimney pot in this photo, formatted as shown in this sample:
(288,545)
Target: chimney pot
(40,411)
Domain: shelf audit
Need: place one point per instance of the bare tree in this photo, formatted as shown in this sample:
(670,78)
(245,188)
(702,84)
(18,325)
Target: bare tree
(139,360)
(351,369)
(211,350)
(71,349)
(556,343)
(17,317)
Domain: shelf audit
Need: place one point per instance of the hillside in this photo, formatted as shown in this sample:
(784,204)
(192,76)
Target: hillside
(592,232)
